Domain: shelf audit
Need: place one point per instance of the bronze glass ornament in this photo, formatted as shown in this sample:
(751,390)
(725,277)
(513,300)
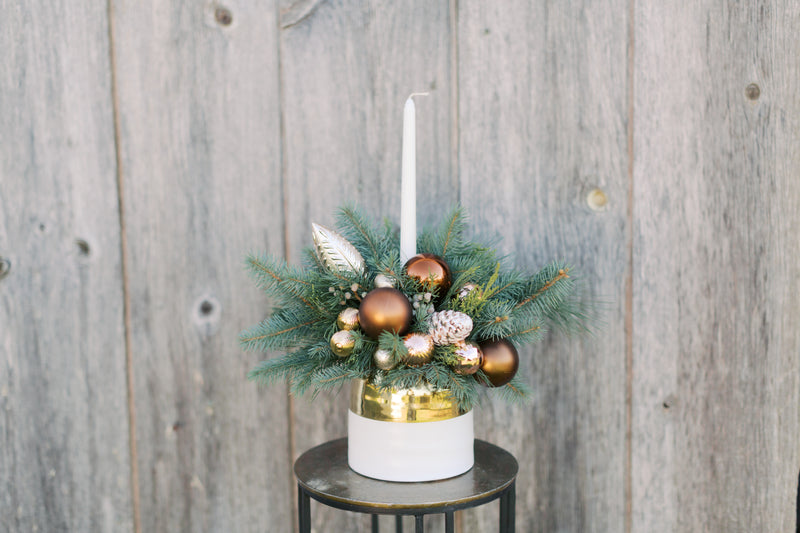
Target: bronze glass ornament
(343,342)
(383,359)
(470,358)
(430,270)
(500,361)
(348,319)
(384,309)
(420,349)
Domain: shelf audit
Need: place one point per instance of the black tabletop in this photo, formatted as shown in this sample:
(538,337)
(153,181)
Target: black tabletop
(323,472)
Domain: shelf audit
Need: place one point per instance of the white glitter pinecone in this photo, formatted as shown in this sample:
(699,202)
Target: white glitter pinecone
(449,327)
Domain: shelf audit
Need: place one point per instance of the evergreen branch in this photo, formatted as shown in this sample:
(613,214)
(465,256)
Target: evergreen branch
(503,305)
(251,339)
(454,217)
(562,274)
(272,276)
(515,391)
(361,228)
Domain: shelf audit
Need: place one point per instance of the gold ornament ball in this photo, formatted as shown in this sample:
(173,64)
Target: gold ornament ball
(470,358)
(384,309)
(431,271)
(343,342)
(383,359)
(382,280)
(348,319)
(420,349)
(500,361)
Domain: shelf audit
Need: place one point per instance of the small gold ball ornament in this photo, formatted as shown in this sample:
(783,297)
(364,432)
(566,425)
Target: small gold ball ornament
(500,361)
(343,342)
(470,358)
(348,319)
(420,349)
(382,280)
(383,359)
(384,309)
(431,271)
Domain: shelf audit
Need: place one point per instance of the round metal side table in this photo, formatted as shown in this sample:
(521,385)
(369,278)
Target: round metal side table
(322,474)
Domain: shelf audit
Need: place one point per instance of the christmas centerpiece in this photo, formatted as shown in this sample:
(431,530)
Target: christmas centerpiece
(417,336)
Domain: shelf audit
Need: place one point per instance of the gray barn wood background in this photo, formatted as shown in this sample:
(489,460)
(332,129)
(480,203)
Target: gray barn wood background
(146,145)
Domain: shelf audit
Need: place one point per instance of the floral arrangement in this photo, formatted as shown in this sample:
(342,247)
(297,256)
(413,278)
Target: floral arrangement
(450,318)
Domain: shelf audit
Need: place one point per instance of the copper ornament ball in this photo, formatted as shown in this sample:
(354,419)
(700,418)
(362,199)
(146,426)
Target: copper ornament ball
(500,361)
(384,309)
(430,270)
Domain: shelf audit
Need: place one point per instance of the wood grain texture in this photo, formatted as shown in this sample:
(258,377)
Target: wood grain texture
(542,122)
(242,122)
(716,431)
(64,459)
(347,69)
(200,136)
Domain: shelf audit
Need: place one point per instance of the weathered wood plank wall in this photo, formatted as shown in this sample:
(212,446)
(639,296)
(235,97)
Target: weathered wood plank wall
(64,454)
(230,126)
(542,122)
(200,158)
(716,431)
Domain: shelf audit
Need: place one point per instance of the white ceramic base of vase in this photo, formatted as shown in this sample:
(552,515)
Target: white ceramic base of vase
(410,451)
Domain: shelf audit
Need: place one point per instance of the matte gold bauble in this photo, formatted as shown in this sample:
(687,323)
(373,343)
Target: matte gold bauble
(420,349)
(500,361)
(431,271)
(383,359)
(384,309)
(348,318)
(343,342)
(470,358)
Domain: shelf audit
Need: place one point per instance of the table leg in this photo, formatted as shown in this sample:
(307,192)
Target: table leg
(449,527)
(508,502)
(374,523)
(303,511)
(398,523)
(419,527)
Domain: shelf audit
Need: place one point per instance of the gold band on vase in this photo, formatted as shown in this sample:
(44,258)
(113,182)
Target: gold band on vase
(416,404)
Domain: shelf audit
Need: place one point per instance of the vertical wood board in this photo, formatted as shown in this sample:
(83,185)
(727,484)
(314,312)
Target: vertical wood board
(64,455)
(347,69)
(199,114)
(716,419)
(542,122)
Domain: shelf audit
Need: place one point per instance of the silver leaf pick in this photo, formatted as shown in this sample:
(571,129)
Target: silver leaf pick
(336,252)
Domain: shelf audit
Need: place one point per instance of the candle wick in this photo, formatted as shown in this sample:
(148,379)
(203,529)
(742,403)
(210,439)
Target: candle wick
(412,95)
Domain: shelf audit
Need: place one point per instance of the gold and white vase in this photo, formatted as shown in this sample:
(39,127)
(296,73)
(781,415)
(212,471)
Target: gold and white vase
(407,435)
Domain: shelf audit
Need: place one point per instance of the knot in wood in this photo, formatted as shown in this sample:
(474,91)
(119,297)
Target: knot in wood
(223,15)
(752,91)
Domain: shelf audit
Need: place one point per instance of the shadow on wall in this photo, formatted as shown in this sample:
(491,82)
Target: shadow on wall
(797,506)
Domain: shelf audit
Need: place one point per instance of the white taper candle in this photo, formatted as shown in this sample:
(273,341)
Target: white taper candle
(408,191)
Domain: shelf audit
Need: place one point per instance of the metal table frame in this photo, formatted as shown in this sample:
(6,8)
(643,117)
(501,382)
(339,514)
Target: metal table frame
(334,453)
